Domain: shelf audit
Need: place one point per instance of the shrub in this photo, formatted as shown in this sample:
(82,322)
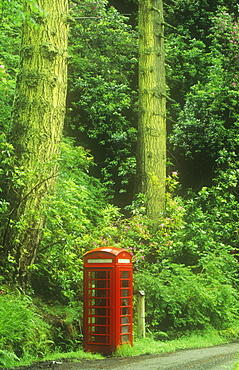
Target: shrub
(72,212)
(179,299)
(23,332)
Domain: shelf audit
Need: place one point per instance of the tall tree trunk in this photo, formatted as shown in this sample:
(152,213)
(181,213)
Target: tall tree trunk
(152,107)
(38,118)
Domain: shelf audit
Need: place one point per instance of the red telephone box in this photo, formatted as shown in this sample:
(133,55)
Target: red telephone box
(108,293)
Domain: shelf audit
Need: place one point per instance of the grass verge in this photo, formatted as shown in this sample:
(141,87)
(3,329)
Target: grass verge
(151,346)
(193,340)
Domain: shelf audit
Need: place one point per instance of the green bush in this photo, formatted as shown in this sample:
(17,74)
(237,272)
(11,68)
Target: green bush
(72,214)
(23,332)
(178,299)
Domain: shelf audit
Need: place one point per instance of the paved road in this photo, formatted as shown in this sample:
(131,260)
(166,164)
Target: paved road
(212,358)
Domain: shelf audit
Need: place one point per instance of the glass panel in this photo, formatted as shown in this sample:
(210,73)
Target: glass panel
(98,329)
(125,311)
(101,320)
(101,284)
(98,311)
(98,320)
(91,293)
(124,320)
(124,329)
(125,283)
(124,302)
(100,275)
(123,260)
(100,293)
(124,274)
(91,283)
(99,339)
(124,338)
(100,260)
(97,292)
(99,302)
(124,292)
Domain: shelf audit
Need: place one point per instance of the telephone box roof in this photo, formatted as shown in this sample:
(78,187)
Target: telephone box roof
(110,250)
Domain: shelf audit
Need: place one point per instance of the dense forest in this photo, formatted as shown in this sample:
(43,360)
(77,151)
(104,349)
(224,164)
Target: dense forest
(73,125)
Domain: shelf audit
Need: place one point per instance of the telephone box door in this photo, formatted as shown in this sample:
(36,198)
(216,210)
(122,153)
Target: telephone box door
(99,306)
(125,306)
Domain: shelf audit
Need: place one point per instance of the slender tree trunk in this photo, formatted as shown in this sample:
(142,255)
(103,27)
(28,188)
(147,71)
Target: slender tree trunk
(38,117)
(152,107)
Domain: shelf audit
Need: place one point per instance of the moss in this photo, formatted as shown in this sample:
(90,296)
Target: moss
(30,78)
(27,51)
(38,18)
(49,51)
(43,105)
(53,81)
(21,102)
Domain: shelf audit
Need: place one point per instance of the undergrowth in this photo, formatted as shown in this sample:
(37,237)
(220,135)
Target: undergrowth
(27,334)
(24,335)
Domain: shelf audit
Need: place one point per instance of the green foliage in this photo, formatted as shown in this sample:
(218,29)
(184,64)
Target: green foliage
(103,50)
(193,280)
(65,322)
(194,18)
(186,261)
(7,84)
(211,221)
(178,299)
(205,145)
(203,79)
(23,333)
(11,176)
(10,21)
(8,358)
(196,339)
(210,110)
(72,212)
(148,241)
(124,350)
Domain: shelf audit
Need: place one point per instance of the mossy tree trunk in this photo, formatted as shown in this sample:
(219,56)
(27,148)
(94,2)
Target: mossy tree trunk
(38,118)
(152,107)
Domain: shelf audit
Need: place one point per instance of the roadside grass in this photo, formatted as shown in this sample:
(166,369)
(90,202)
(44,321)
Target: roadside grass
(148,345)
(193,340)
(74,355)
(12,361)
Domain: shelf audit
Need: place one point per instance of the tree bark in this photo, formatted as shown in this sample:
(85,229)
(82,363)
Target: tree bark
(38,118)
(151,156)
